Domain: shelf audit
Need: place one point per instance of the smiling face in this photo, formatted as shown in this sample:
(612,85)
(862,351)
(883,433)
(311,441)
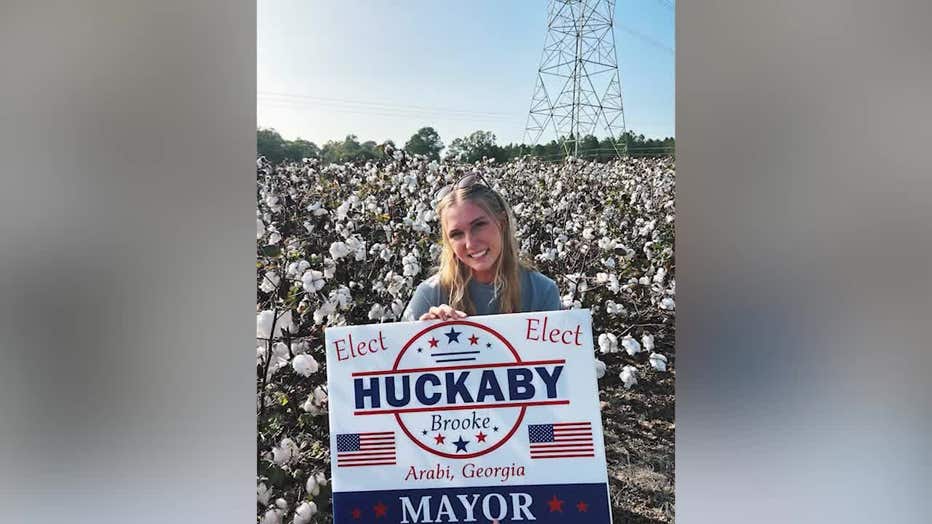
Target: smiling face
(475,237)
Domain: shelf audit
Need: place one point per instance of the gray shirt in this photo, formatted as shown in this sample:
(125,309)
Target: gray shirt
(538,293)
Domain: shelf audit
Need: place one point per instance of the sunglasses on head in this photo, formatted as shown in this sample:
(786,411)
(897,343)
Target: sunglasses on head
(464,181)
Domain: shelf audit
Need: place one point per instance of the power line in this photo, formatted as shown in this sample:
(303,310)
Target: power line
(383,105)
(386,112)
(656,43)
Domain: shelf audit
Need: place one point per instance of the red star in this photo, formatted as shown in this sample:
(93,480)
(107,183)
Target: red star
(357,514)
(473,340)
(433,342)
(439,438)
(480,437)
(380,509)
(582,507)
(555,504)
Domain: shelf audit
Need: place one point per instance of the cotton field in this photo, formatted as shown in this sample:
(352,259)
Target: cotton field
(347,244)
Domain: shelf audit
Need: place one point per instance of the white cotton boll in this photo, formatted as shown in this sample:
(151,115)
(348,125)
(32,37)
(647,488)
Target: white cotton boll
(280,357)
(326,309)
(607,243)
(411,266)
(297,267)
(356,246)
(601,278)
(644,281)
(260,228)
(658,361)
(648,341)
(264,324)
(285,452)
(377,312)
(263,494)
(272,516)
(304,512)
(612,308)
(320,395)
(281,504)
(330,267)
(660,275)
(609,262)
(628,376)
(567,300)
(311,486)
(342,298)
(274,203)
(608,343)
(339,250)
(275,238)
(310,406)
(587,234)
(321,478)
(631,345)
(667,303)
(599,369)
(269,282)
(312,280)
(305,365)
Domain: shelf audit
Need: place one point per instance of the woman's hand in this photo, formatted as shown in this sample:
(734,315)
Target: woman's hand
(442,312)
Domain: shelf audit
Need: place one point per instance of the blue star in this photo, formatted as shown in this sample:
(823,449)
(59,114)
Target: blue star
(453,336)
(460,444)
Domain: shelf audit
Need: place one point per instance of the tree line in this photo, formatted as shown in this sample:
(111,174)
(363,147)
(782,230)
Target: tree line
(426,141)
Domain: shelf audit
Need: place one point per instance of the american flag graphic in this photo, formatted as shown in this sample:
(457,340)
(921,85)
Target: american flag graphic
(561,440)
(366,449)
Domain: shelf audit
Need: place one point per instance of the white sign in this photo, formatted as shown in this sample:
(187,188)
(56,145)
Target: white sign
(473,420)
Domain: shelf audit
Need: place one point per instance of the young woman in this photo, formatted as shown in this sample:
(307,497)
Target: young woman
(480,272)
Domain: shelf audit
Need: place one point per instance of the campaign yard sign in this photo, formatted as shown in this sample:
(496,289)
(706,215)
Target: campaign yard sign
(473,420)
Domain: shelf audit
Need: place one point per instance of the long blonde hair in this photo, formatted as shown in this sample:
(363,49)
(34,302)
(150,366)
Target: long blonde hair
(455,276)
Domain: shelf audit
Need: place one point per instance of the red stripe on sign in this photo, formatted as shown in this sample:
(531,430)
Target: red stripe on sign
(455,368)
(455,408)
(563,456)
(558,445)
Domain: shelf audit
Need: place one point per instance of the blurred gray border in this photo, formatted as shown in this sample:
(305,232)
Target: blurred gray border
(127,261)
(804,261)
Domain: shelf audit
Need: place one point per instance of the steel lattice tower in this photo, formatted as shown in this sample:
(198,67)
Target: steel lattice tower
(578,90)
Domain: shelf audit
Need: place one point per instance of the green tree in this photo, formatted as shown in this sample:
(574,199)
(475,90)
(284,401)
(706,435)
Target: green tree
(299,149)
(270,144)
(425,142)
(475,146)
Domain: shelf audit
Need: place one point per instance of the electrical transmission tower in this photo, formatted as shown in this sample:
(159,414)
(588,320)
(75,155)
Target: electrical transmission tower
(578,90)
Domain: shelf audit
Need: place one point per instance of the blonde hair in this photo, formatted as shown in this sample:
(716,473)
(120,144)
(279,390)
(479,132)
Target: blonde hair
(455,275)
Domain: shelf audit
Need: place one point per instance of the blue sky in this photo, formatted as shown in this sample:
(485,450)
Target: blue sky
(382,69)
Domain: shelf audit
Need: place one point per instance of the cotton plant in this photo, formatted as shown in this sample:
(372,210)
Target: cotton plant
(599,369)
(285,453)
(631,345)
(304,512)
(628,376)
(266,319)
(608,343)
(305,365)
(658,361)
(350,243)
